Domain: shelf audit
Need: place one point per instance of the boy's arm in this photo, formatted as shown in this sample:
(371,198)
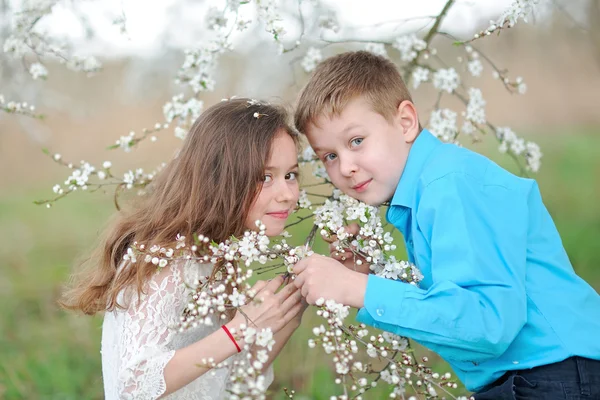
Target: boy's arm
(477,303)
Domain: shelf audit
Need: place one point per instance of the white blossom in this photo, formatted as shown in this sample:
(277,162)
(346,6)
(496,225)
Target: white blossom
(129,179)
(303,201)
(309,155)
(419,75)
(446,80)
(237,299)
(38,70)
(311,59)
(180,133)
(376,48)
(442,124)
(264,338)
(409,46)
(475,108)
(475,67)
(519,9)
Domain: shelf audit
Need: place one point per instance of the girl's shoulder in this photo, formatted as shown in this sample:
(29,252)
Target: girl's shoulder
(179,278)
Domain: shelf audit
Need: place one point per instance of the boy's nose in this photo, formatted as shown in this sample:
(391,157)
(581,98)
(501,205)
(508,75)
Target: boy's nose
(347,167)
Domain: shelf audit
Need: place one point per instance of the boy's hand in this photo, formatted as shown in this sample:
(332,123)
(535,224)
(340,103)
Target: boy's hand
(319,276)
(347,258)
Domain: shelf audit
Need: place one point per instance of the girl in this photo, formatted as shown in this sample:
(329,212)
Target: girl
(238,164)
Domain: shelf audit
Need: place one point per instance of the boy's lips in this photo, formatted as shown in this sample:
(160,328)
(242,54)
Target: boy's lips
(361,187)
(279,214)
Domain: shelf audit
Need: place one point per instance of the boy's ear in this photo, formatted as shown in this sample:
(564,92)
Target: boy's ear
(408,119)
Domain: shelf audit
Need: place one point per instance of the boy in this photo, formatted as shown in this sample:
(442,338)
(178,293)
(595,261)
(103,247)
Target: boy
(499,299)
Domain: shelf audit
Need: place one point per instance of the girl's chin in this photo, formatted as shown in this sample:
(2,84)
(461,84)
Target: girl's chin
(273,230)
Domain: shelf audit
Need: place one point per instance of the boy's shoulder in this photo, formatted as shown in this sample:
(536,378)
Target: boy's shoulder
(449,161)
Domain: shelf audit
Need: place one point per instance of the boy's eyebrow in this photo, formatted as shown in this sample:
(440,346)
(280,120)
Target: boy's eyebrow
(343,131)
(351,126)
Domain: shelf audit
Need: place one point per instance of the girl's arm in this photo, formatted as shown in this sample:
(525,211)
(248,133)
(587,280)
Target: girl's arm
(149,369)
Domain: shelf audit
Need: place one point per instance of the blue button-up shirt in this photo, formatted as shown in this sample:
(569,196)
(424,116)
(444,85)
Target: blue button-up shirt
(499,292)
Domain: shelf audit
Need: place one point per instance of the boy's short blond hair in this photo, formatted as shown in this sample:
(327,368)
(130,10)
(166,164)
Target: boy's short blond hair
(341,78)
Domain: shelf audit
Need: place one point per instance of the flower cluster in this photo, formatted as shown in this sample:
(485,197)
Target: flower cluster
(26,40)
(372,244)
(442,124)
(510,142)
(14,107)
(311,59)
(357,375)
(91,178)
(519,9)
(409,46)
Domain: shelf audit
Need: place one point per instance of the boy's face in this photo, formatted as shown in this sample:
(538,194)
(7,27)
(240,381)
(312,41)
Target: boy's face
(364,154)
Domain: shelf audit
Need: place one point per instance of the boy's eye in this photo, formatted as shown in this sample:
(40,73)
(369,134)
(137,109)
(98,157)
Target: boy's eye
(292,176)
(356,141)
(267,178)
(329,157)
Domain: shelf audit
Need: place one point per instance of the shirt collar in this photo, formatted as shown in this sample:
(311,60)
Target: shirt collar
(418,155)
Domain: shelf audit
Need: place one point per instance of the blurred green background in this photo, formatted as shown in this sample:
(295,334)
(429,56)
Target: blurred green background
(47,353)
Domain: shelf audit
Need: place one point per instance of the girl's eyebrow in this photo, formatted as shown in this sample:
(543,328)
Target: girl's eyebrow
(275,168)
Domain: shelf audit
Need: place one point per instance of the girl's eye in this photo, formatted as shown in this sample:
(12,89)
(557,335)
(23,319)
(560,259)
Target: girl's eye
(292,176)
(356,141)
(267,178)
(329,157)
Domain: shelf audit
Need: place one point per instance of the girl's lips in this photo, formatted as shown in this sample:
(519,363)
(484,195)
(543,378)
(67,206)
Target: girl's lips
(279,215)
(363,186)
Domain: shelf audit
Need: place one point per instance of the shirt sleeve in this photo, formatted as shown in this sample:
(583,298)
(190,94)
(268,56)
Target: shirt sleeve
(147,333)
(476,304)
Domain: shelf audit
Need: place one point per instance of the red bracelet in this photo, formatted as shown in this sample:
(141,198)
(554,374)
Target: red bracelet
(232,338)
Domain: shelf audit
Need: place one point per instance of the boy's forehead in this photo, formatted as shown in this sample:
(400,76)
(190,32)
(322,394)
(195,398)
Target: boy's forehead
(329,132)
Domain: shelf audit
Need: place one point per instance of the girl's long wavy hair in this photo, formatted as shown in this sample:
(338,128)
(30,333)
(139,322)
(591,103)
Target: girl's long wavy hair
(207,189)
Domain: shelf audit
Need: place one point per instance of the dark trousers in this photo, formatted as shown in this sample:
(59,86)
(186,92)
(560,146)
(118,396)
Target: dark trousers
(575,378)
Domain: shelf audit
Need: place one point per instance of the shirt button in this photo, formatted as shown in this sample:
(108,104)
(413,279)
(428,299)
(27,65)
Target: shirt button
(410,242)
(380,312)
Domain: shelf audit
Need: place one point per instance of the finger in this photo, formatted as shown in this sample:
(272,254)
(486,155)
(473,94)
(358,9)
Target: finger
(330,238)
(343,256)
(274,284)
(301,265)
(353,229)
(292,300)
(304,291)
(285,292)
(259,285)
(299,281)
(287,278)
(295,310)
(333,247)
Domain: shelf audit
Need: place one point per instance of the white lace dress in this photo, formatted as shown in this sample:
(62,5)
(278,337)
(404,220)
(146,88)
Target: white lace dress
(137,343)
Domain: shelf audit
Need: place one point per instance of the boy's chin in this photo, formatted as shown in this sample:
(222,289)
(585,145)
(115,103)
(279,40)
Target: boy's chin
(373,199)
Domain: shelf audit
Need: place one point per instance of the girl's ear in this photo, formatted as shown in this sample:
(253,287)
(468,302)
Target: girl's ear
(407,119)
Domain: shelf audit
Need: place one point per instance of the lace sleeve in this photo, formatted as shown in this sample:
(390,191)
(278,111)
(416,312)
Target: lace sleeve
(146,331)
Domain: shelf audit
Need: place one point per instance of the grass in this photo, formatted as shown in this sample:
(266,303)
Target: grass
(46,353)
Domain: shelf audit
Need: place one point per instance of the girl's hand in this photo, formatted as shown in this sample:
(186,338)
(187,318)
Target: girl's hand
(270,309)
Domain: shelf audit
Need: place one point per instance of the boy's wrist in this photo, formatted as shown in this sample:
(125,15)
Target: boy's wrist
(356,290)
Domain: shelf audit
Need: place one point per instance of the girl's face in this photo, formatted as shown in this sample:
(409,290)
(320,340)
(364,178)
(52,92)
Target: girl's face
(280,190)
